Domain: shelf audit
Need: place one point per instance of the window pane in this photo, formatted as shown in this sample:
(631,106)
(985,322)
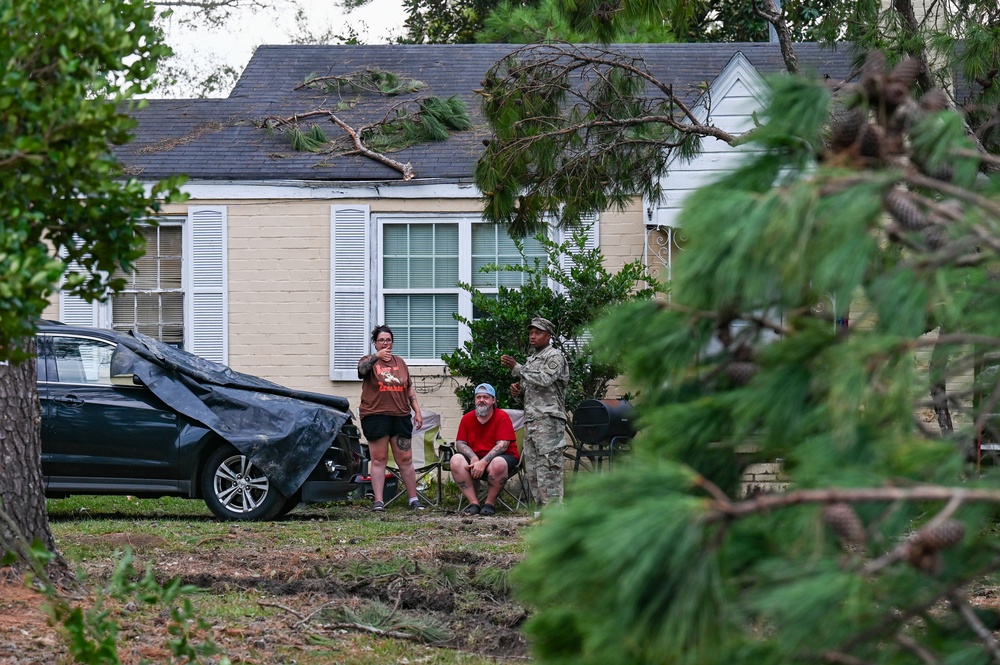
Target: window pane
(396,313)
(484,239)
(394,240)
(422,239)
(446,273)
(395,273)
(512,279)
(446,239)
(82,360)
(421,273)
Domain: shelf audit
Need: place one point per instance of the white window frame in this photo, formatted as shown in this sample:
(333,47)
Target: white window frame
(161,221)
(464,222)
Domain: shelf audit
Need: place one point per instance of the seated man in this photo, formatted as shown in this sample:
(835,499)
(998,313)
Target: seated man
(486,448)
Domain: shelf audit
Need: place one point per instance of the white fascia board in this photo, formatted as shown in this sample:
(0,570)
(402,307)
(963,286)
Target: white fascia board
(737,69)
(232,190)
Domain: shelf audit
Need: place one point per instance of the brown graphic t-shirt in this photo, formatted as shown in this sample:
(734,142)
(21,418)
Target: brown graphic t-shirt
(385,389)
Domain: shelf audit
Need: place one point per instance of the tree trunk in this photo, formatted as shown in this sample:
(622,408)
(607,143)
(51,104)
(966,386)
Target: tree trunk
(939,389)
(21,487)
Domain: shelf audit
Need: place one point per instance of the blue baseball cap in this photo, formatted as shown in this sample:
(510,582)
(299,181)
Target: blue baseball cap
(486,388)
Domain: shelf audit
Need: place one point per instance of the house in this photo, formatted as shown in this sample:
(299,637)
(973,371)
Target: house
(282,260)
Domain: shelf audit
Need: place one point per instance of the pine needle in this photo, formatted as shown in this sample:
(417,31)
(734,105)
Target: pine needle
(376,617)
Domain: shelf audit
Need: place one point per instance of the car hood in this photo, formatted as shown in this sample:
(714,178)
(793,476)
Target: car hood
(283,431)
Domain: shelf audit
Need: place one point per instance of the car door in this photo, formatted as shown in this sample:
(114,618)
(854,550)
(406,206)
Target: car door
(95,432)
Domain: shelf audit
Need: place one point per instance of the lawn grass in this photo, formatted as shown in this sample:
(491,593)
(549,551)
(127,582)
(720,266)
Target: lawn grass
(256,580)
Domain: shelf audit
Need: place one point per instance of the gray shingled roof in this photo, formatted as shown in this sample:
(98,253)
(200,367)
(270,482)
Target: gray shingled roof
(220,139)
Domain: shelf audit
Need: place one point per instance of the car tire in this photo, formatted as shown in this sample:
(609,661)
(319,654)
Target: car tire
(290,504)
(235,489)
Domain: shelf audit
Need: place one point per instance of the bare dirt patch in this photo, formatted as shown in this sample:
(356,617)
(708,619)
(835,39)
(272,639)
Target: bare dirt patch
(298,591)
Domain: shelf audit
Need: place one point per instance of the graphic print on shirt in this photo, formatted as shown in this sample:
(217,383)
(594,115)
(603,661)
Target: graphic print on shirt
(388,381)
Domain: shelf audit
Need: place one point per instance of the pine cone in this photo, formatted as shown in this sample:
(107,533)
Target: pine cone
(741,372)
(942,172)
(870,142)
(846,524)
(874,65)
(873,74)
(845,130)
(904,210)
(905,117)
(895,95)
(924,560)
(906,71)
(935,99)
(935,236)
(923,548)
(942,536)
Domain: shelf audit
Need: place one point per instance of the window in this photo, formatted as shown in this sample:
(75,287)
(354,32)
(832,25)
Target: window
(80,360)
(403,270)
(423,261)
(153,300)
(176,293)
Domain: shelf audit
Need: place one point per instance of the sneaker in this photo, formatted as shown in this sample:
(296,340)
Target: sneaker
(471,509)
(415,504)
(379,506)
(487,510)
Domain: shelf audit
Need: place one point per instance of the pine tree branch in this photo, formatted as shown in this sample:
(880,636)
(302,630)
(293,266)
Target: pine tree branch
(405,169)
(767,502)
(275,122)
(696,129)
(776,18)
(579,58)
(372,629)
(904,8)
(900,551)
(917,649)
(840,658)
(965,611)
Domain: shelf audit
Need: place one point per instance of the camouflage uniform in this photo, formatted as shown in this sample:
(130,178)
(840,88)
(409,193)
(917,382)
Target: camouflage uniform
(544,376)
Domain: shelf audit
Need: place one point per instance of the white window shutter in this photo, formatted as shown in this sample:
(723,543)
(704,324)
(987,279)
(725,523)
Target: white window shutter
(206,307)
(591,223)
(74,310)
(350,295)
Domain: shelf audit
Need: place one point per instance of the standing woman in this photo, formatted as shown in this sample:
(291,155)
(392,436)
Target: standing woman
(387,397)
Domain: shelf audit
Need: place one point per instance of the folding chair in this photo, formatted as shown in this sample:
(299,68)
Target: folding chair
(427,461)
(514,495)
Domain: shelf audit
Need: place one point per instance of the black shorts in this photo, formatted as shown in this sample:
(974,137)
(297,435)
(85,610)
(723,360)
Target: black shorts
(377,426)
(510,459)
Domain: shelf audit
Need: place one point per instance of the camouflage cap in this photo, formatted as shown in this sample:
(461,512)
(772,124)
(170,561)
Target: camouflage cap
(543,324)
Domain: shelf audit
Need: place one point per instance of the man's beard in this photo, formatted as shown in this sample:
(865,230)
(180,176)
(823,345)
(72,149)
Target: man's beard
(483,410)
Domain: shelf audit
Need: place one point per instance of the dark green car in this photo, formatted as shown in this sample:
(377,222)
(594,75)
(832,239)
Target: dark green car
(105,433)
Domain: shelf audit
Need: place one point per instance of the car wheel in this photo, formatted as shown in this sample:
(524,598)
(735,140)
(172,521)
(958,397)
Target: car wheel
(235,489)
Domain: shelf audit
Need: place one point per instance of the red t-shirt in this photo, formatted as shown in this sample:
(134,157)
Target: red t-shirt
(482,437)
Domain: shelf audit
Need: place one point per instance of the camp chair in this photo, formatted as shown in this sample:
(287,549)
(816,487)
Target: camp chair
(427,462)
(515,493)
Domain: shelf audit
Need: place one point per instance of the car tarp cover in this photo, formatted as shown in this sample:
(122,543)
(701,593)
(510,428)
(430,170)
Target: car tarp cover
(284,432)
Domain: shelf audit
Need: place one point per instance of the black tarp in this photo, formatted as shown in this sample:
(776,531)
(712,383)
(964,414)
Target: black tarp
(283,431)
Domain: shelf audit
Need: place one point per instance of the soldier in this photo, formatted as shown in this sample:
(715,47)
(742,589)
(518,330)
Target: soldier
(543,379)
